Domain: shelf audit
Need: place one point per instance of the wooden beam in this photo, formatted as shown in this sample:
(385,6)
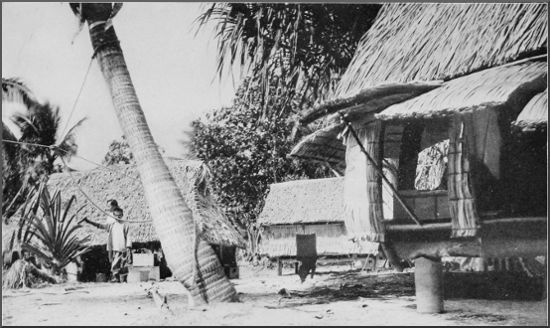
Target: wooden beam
(498,238)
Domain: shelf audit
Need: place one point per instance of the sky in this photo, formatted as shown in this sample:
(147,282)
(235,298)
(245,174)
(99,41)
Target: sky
(173,70)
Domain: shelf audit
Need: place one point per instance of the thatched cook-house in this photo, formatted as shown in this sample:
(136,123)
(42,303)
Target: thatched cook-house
(121,182)
(306,217)
(470,75)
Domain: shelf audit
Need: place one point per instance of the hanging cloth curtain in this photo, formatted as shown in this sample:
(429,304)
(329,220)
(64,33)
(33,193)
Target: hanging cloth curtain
(363,187)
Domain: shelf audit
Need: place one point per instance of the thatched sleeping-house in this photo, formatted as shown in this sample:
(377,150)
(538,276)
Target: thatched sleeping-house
(307,207)
(487,68)
(121,182)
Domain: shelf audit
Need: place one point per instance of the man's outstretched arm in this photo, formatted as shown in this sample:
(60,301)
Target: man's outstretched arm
(95,224)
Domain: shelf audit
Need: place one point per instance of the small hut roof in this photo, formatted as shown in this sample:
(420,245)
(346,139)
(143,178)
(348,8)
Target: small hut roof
(535,113)
(306,207)
(494,87)
(304,201)
(323,146)
(420,42)
(121,182)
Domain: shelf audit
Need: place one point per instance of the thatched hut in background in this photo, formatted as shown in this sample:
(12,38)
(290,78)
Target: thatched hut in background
(307,216)
(121,182)
(472,75)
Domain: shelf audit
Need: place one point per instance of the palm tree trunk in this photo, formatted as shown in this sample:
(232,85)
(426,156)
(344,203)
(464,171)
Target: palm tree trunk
(173,221)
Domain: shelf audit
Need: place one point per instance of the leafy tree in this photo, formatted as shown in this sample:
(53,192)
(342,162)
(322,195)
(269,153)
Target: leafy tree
(299,49)
(247,152)
(119,153)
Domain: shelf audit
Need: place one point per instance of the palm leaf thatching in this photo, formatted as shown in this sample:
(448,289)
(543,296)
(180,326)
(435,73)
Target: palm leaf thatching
(535,113)
(368,101)
(441,41)
(491,88)
(307,207)
(417,43)
(121,182)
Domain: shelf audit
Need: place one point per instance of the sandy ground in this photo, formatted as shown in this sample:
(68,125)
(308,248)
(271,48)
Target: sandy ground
(330,298)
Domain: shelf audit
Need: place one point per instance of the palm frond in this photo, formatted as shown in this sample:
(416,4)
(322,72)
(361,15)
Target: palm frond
(279,43)
(67,146)
(14,90)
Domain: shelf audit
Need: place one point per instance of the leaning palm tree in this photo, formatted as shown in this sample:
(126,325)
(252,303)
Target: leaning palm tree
(190,258)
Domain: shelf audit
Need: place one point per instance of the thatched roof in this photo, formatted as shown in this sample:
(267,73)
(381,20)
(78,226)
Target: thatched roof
(437,41)
(123,184)
(535,113)
(512,84)
(304,201)
(323,146)
(422,42)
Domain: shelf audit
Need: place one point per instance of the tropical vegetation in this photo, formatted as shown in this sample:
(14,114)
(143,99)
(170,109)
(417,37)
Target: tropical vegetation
(247,152)
(48,232)
(41,143)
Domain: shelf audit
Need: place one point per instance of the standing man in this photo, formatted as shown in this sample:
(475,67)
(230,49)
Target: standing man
(118,242)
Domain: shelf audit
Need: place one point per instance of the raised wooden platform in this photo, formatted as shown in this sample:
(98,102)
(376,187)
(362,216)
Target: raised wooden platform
(502,237)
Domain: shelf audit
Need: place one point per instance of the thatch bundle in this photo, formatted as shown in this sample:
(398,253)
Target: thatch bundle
(121,182)
(513,84)
(535,113)
(438,41)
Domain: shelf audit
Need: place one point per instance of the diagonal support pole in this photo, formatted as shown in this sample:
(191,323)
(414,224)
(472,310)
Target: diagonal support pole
(379,170)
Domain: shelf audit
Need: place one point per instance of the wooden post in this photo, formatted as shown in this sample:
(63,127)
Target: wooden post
(428,280)
(545,293)
(296,267)
(279,267)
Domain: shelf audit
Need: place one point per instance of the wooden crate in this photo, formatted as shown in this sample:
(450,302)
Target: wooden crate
(143,273)
(143,259)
